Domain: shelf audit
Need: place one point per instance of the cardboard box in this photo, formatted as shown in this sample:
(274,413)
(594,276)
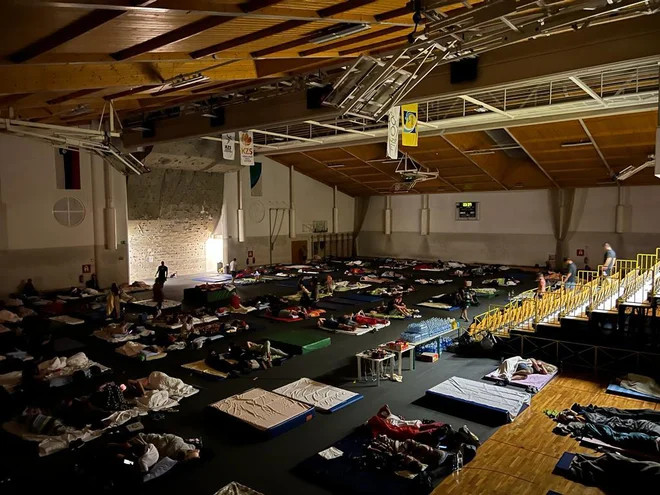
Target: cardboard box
(428,357)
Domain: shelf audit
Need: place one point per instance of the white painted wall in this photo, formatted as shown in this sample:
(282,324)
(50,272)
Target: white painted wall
(514,227)
(313,201)
(34,245)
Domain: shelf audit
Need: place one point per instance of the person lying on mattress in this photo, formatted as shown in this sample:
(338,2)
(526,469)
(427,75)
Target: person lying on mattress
(342,323)
(425,431)
(351,322)
(235,326)
(517,368)
(245,359)
(290,313)
(633,429)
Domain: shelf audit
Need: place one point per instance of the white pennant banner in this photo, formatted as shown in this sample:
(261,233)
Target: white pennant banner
(393,117)
(228,145)
(246,144)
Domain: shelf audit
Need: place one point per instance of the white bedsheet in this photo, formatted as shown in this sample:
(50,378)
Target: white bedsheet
(234,488)
(321,396)
(501,398)
(51,444)
(261,409)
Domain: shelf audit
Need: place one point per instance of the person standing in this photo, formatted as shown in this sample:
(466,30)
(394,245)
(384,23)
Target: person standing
(541,284)
(465,298)
(113,302)
(570,279)
(232,269)
(161,273)
(159,296)
(609,260)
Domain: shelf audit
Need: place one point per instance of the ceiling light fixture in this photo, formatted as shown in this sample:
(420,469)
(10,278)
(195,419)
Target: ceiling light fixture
(576,144)
(335,165)
(340,33)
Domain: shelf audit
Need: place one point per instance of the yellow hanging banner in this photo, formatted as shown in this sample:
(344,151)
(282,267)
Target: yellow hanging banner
(409,125)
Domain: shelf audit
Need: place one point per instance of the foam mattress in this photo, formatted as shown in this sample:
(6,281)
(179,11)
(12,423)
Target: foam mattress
(534,380)
(503,403)
(265,411)
(323,397)
(298,341)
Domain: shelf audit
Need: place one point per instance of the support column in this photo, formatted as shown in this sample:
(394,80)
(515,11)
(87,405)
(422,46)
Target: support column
(426,216)
(619,220)
(240,212)
(388,215)
(657,140)
(110,213)
(292,206)
(335,212)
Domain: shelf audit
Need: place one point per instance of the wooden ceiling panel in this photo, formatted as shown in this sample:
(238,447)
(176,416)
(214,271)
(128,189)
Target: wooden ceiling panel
(23,25)
(330,155)
(135,28)
(376,151)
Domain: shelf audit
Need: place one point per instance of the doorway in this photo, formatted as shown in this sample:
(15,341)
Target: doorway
(298,252)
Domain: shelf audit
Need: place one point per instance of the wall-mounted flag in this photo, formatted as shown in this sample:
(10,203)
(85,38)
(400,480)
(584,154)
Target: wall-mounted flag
(228,145)
(393,119)
(256,188)
(409,125)
(246,143)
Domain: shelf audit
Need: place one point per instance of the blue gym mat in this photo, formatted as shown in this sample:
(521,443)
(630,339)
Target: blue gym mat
(615,389)
(363,298)
(331,307)
(341,300)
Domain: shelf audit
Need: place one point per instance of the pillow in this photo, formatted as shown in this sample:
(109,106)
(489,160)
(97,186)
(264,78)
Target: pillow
(162,467)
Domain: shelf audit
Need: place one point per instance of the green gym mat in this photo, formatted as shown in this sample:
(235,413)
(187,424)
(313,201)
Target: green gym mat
(298,341)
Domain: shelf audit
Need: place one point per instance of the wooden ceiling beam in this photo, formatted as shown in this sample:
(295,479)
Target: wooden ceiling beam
(254,5)
(248,38)
(352,41)
(170,37)
(188,31)
(283,46)
(71,31)
(597,148)
(72,96)
(343,7)
(129,92)
(371,47)
(35,78)
(393,14)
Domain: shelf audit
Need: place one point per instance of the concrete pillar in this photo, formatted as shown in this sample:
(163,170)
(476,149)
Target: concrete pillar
(240,222)
(110,212)
(619,220)
(388,215)
(425,216)
(335,212)
(292,206)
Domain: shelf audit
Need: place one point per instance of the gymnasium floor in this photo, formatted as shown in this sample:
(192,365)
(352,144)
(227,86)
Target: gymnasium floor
(268,465)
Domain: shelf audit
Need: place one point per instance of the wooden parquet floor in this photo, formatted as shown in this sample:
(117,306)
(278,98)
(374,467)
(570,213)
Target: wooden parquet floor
(519,458)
